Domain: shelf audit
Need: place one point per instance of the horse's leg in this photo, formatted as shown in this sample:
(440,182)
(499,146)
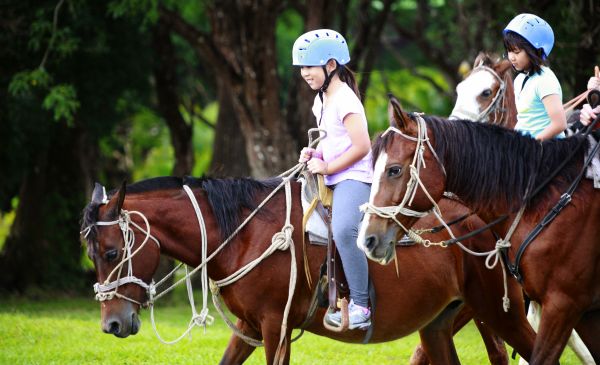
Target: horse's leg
(436,337)
(238,350)
(588,328)
(494,345)
(575,342)
(558,319)
(271,334)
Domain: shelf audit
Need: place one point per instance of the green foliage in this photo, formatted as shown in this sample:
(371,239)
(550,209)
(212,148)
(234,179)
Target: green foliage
(414,93)
(62,101)
(6,220)
(146,9)
(25,82)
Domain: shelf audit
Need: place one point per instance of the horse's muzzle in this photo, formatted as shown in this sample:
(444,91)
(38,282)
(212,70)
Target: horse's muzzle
(122,327)
(380,248)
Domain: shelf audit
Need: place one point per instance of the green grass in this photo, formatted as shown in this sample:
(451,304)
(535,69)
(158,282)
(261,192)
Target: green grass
(67,331)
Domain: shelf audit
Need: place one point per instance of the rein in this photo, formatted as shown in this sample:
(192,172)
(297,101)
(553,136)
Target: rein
(564,200)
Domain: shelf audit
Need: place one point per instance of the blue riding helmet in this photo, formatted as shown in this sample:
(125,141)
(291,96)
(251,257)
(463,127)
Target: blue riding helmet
(534,29)
(316,47)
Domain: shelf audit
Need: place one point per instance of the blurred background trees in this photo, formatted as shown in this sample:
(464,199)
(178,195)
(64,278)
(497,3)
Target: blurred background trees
(130,89)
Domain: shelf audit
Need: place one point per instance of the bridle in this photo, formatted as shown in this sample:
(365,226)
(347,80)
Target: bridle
(109,289)
(418,162)
(494,106)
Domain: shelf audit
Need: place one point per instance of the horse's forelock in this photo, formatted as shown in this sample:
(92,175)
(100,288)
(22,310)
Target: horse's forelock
(380,143)
(89,218)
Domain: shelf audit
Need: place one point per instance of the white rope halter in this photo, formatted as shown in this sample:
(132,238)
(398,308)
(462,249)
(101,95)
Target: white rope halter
(109,289)
(492,107)
(418,162)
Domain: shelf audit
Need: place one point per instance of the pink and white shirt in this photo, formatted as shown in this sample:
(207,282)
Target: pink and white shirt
(339,105)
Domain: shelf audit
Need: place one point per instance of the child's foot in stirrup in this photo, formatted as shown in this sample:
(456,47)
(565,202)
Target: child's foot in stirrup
(334,318)
(358,317)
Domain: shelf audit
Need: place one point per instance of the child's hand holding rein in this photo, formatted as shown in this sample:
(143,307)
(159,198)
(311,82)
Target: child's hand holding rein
(317,166)
(307,153)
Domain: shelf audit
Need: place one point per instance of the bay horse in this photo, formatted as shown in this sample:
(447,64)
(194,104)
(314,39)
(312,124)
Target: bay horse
(418,299)
(491,169)
(487,95)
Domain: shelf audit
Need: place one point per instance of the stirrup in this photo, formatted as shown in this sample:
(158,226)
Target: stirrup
(345,318)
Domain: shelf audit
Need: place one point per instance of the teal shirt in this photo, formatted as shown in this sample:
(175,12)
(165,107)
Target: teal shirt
(532,117)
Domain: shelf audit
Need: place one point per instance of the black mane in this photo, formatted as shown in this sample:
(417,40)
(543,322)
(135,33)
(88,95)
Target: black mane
(489,167)
(227,197)
(496,162)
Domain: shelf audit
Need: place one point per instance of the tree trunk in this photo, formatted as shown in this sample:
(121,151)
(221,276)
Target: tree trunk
(229,147)
(43,248)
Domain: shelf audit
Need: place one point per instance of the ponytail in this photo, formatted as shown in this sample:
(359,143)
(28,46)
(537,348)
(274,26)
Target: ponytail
(346,75)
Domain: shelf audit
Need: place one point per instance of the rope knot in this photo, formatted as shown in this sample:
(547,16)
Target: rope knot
(281,240)
(505,303)
(203,318)
(214,288)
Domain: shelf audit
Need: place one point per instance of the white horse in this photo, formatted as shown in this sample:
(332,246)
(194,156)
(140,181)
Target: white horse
(487,95)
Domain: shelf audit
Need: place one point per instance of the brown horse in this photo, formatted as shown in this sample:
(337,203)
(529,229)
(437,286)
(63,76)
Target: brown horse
(491,169)
(418,299)
(487,95)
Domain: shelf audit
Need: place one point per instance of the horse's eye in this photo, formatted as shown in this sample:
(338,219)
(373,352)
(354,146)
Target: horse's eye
(111,255)
(394,171)
(486,93)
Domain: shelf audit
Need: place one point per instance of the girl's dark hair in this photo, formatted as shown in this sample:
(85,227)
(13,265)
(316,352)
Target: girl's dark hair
(347,75)
(514,41)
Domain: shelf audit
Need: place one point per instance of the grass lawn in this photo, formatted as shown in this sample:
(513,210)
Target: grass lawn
(67,331)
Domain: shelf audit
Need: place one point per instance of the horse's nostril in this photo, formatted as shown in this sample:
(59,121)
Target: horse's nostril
(370,242)
(114,328)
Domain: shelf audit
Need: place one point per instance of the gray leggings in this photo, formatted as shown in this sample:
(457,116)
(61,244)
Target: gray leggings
(348,195)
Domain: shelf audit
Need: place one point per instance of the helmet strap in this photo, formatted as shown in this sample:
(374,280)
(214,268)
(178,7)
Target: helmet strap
(323,88)
(328,78)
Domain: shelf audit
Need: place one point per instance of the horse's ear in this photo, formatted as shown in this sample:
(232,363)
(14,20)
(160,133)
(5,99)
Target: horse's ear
(480,59)
(114,206)
(99,194)
(502,66)
(121,198)
(398,118)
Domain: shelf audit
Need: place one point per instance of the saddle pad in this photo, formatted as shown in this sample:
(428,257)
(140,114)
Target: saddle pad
(315,226)
(593,170)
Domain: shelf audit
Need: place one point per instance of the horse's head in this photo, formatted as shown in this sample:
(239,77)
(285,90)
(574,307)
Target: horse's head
(482,96)
(405,164)
(125,257)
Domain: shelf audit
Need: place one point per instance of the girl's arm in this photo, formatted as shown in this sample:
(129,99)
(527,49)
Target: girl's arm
(558,119)
(361,145)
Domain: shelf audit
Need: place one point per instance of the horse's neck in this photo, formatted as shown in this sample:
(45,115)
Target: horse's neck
(178,231)
(508,108)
